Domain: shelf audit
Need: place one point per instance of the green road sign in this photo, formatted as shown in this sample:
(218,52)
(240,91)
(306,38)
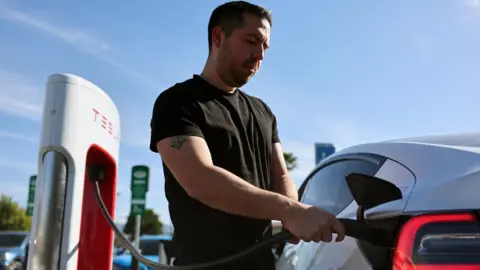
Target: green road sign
(139,188)
(137,209)
(31,195)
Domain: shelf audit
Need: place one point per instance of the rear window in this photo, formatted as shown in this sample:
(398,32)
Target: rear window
(328,189)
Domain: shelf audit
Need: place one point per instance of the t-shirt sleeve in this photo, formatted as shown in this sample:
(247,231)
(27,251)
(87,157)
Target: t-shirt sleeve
(172,117)
(275,137)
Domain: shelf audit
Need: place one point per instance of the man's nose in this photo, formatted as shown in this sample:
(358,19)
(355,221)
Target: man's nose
(259,53)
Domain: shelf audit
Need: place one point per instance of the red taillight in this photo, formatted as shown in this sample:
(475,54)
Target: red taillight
(442,233)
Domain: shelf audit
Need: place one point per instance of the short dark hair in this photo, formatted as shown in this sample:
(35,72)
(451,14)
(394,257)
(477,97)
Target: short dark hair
(229,16)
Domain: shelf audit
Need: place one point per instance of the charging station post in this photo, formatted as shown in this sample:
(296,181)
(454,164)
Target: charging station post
(80,129)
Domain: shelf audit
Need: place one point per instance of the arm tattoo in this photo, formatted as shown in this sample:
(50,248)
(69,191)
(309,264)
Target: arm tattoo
(178,141)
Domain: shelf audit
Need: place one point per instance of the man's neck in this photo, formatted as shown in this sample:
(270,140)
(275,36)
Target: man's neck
(210,75)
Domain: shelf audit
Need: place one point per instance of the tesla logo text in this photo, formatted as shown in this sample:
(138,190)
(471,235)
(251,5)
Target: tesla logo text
(105,123)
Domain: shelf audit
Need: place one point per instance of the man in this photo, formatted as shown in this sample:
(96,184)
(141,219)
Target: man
(225,175)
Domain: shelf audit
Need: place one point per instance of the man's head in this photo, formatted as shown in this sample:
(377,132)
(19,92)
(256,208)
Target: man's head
(238,35)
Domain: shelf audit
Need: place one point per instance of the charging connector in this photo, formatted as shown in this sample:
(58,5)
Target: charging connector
(96,172)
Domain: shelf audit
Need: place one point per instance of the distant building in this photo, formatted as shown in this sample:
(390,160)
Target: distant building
(323,150)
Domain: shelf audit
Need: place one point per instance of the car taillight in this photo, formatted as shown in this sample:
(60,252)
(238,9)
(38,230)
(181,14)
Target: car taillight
(439,241)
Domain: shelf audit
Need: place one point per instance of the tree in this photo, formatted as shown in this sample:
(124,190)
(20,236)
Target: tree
(12,216)
(291,160)
(150,224)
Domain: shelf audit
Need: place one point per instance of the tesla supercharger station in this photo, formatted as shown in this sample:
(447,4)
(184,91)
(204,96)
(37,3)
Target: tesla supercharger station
(81,126)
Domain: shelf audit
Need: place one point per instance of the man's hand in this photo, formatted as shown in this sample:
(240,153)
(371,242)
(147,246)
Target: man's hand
(310,223)
(294,240)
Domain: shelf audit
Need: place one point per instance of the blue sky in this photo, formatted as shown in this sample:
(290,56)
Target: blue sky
(345,72)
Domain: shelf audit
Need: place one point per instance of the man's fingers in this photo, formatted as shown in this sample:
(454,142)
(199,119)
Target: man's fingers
(294,240)
(318,236)
(339,229)
(327,235)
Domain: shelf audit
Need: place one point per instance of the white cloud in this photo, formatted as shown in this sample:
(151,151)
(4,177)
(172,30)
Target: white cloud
(18,136)
(81,40)
(23,166)
(77,38)
(19,96)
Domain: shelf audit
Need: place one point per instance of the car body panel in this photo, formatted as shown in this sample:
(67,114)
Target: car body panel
(440,164)
(434,173)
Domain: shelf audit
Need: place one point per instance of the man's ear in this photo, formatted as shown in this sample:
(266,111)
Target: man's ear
(217,37)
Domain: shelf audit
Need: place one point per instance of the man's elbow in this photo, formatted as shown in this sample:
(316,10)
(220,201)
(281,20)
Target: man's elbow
(195,183)
(194,190)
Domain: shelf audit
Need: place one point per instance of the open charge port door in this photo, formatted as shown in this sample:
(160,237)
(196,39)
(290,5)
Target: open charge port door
(368,192)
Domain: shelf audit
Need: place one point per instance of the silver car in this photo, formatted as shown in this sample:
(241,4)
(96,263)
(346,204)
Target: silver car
(417,201)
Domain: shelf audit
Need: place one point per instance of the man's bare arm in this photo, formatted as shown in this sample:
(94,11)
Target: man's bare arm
(282,183)
(190,161)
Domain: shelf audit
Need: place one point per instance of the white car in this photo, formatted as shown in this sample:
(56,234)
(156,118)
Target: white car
(431,221)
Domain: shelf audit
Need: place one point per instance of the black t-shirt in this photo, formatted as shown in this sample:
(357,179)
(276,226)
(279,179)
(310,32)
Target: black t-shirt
(240,131)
